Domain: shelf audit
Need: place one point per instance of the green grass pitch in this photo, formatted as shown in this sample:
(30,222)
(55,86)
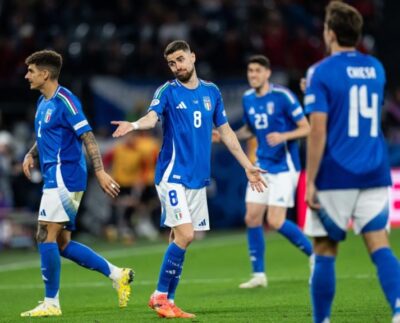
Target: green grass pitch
(209,288)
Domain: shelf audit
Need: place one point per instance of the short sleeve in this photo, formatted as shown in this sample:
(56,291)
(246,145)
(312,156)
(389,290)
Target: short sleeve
(159,101)
(219,117)
(73,113)
(293,108)
(315,99)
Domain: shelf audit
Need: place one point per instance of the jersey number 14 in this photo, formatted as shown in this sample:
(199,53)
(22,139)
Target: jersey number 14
(359,108)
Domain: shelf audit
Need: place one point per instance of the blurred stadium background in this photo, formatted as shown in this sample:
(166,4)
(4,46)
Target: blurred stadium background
(113,61)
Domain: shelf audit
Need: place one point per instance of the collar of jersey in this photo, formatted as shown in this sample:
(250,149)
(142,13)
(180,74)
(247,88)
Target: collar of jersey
(180,84)
(271,86)
(54,95)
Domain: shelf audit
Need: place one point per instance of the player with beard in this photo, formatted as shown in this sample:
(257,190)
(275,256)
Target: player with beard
(188,108)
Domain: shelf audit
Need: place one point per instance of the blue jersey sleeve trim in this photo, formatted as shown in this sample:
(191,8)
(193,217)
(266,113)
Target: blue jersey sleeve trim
(160,90)
(286,93)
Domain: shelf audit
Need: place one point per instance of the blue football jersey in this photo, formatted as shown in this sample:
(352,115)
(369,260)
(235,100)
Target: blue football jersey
(276,111)
(188,116)
(59,122)
(349,88)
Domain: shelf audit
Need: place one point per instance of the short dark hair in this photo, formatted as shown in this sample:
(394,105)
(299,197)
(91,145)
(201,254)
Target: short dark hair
(345,21)
(259,59)
(48,59)
(175,46)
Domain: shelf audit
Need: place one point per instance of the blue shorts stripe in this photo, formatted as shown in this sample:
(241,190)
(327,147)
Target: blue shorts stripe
(379,222)
(335,233)
(69,208)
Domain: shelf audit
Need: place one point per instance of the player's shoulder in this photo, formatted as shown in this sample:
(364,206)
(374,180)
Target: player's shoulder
(284,92)
(321,66)
(372,60)
(209,88)
(248,94)
(209,84)
(165,88)
(64,97)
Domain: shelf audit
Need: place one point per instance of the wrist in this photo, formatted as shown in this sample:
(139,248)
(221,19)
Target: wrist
(135,125)
(99,171)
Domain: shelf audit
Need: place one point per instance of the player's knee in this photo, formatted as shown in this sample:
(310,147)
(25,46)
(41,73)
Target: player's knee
(185,239)
(252,219)
(324,246)
(275,222)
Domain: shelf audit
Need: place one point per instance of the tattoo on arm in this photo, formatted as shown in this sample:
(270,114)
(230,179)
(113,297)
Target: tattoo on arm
(41,234)
(93,150)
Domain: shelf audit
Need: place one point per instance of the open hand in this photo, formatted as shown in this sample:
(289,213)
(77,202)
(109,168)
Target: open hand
(123,128)
(257,182)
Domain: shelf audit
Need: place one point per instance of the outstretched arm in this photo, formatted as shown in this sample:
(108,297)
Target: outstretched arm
(232,143)
(146,122)
(244,133)
(30,160)
(107,183)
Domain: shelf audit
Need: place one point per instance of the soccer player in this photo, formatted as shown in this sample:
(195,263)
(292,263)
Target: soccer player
(61,127)
(274,116)
(188,107)
(347,165)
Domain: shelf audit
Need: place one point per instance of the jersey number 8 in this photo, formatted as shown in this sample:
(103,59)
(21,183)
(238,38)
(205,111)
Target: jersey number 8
(197,119)
(173,197)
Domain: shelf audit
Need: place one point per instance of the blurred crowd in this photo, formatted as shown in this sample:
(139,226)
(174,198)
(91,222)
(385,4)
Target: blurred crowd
(125,39)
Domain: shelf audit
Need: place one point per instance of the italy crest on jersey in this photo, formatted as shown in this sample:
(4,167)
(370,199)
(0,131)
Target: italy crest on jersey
(207,102)
(178,214)
(47,117)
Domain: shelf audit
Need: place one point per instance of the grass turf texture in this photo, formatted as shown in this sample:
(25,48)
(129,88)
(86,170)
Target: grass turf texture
(213,269)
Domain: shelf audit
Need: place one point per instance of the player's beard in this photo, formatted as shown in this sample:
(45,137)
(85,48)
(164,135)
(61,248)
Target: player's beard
(185,77)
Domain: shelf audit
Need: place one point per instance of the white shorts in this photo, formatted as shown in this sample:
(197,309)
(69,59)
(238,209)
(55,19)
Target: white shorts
(368,208)
(280,192)
(60,206)
(182,205)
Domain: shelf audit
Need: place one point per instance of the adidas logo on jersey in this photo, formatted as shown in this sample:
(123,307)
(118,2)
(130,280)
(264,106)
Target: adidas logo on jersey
(42,213)
(181,105)
(203,223)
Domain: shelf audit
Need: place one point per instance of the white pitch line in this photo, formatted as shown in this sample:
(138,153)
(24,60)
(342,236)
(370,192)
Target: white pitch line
(195,281)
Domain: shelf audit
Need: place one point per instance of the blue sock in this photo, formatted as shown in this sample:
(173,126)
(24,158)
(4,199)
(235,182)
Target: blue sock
(255,238)
(323,283)
(292,232)
(86,257)
(51,267)
(175,281)
(388,270)
(172,264)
